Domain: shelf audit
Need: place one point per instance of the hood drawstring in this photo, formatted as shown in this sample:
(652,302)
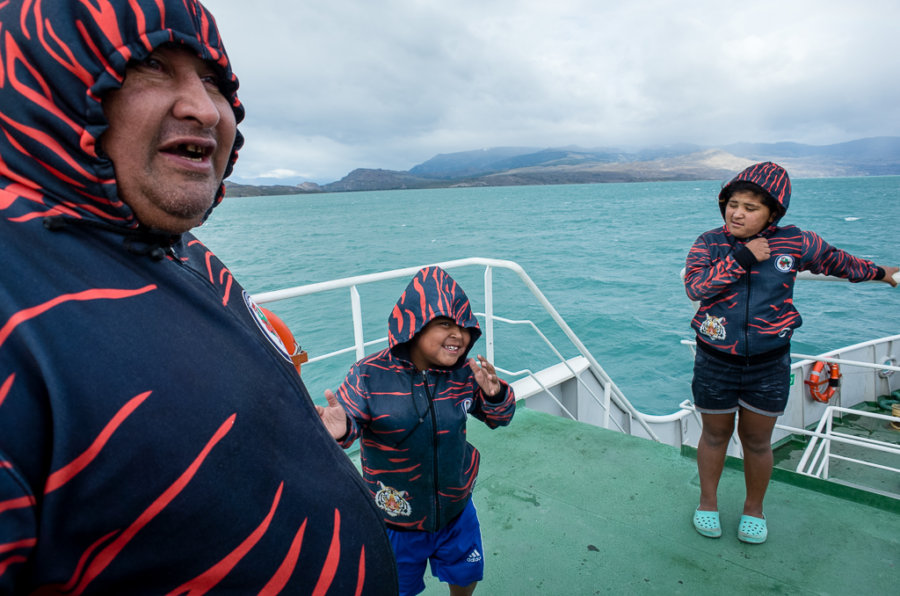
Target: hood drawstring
(137,241)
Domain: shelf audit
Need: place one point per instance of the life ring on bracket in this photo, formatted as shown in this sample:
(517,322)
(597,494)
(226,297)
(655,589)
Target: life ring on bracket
(297,354)
(817,381)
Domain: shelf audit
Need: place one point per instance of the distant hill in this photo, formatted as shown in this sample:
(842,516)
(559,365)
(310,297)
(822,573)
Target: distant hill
(249,190)
(511,166)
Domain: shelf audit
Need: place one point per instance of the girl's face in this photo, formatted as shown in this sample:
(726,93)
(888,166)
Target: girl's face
(746,215)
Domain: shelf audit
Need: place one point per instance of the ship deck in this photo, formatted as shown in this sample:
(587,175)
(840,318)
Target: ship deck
(568,508)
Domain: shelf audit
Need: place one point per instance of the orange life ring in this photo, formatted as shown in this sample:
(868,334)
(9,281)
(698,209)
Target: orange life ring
(816,381)
(298,356)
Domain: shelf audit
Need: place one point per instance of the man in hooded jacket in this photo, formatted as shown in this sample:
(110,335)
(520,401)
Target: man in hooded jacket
(154,435)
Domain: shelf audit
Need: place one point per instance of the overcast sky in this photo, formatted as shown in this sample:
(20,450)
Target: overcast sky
(334,85)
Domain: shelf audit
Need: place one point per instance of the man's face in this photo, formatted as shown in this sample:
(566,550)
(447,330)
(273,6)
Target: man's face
(170,137)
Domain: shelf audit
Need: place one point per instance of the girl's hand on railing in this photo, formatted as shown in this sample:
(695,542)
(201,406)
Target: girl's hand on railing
(333,416)
(890,276)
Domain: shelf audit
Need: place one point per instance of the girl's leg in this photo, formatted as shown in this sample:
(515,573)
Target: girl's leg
(755,432)
(711,450)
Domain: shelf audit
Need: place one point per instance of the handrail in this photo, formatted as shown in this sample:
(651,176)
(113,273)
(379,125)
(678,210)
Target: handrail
(858,363)
(815,460)
(559,356)
(615,393)
(810,276)
(823,358)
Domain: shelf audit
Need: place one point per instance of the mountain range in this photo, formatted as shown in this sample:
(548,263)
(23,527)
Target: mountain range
(511,166)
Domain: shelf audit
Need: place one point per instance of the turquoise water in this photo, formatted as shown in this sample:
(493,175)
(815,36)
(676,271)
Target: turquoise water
(607,256)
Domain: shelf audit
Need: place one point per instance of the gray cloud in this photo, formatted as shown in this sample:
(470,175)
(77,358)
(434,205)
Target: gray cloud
(332,86)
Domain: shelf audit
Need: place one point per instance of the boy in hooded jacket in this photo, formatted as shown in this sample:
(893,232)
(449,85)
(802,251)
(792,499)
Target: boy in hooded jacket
(743,273)
(409,403)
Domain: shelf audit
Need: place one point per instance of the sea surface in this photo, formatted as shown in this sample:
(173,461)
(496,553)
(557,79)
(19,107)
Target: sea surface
(607,256)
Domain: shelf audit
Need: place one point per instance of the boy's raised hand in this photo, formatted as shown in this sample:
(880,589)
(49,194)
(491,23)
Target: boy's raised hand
(485,375)
(333,416)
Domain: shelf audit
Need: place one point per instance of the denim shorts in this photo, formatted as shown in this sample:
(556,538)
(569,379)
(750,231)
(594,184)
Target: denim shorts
(455,553)
(721,387)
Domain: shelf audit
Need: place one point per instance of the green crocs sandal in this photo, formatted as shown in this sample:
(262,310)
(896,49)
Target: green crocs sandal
(752,530)
(707,523)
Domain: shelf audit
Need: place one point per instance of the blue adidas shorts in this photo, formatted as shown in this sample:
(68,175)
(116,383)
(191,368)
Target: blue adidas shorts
(454,551)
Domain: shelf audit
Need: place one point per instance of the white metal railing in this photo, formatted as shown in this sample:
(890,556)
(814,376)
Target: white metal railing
(611,391)
(880,367)
(602,402)
(611,394)
(886,367)
(822,358)
(817,457)
(810,276)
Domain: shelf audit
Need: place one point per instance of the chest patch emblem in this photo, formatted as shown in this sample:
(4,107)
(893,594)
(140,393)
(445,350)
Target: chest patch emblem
(784,263)
(713,327)
(392,501)
(265,326)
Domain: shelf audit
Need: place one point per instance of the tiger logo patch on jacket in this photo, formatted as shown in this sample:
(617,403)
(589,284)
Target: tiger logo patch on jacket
(713,327)
(392,501)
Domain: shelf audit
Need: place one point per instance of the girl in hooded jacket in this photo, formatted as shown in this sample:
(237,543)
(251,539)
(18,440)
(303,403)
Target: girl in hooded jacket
(409,404)
(743,273)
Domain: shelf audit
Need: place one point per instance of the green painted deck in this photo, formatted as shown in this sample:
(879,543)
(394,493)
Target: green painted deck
(568,508)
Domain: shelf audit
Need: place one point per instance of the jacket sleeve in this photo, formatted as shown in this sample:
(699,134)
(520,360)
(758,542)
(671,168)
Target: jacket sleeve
(353,397)
(705,277)
(496,411)
(821,257)
(18,529)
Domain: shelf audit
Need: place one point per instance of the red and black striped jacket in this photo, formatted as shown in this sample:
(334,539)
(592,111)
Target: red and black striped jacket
(747,307)
(154,436)
(412,424)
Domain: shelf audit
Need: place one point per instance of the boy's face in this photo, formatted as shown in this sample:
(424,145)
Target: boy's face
(746,215)
(440,343)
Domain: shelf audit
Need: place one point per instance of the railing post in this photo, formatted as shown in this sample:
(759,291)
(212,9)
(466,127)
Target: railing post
(826,461)
(489,314)
(356,309)
(606,398)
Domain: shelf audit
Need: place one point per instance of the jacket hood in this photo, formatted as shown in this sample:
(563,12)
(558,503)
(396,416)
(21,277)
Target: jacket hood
(57,61)
(771,177)
(432,293)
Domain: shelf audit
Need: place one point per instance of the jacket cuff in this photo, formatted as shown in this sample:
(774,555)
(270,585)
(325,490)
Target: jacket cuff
(501,395)
(346,434)
(745,258)
(880,274)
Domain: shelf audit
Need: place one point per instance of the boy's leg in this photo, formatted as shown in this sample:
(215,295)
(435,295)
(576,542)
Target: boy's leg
(755,432)
(715,388)
(711,450)
(411,551)
(764,398)
(458,558)
(462,590)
